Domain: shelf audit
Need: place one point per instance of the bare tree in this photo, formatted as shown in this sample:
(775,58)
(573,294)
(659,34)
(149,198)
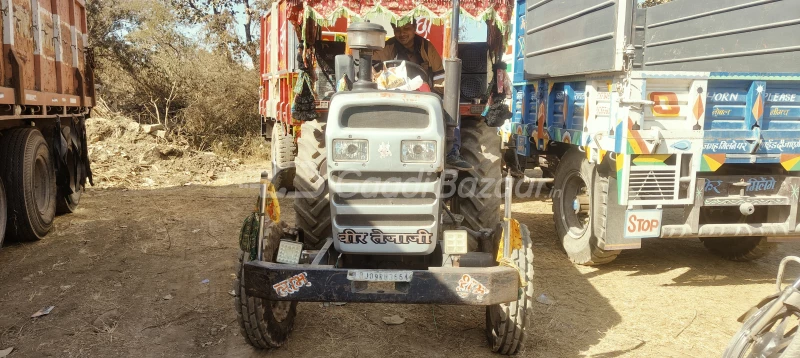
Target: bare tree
(224,19)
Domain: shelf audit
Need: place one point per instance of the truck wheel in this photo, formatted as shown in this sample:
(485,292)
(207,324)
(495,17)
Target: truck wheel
(740,249)
(506,323)
(3,213)
(478,197)
(575,209)
(312,204)
(284,151)
(68,203)
(264,324)
(30,180)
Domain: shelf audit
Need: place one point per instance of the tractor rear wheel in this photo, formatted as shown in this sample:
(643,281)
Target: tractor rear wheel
(479,197)
(312,203)
(506,323)
(30,181)
(284,151)
(264,324)
(580,204)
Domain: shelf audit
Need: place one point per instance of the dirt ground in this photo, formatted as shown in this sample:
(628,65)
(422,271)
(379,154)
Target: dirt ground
(126,276)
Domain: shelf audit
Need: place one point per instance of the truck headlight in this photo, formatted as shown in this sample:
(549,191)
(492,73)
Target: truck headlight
(418,151)
(350,150)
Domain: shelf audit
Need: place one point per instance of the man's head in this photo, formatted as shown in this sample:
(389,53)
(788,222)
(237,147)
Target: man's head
(405,34)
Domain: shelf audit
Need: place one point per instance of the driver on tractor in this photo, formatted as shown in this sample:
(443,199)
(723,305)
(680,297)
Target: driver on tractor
(406,45)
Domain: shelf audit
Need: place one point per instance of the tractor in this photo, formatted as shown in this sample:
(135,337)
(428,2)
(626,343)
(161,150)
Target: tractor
(379,216)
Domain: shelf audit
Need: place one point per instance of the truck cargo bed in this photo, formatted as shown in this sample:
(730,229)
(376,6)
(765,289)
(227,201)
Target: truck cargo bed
(582,37)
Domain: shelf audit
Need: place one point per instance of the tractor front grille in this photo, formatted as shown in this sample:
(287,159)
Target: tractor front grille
(395,203)
(385,116)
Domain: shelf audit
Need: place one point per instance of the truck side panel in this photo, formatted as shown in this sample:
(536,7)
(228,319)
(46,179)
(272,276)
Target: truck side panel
(568,37)
(44,56)
(723,35)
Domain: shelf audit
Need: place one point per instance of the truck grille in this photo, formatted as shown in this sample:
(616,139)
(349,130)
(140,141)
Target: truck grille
(652,184)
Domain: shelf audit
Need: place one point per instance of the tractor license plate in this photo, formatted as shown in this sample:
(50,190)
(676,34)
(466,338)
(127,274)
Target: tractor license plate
(641,224)
(379,275)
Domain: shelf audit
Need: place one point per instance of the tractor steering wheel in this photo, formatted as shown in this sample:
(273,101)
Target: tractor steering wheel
(412,69)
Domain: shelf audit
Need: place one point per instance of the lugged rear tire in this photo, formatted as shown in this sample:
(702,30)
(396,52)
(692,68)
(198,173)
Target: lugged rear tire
(284,151)
(27,169)
(506,323)
(312,204)
(580,236)
(741,249)
(264,324)
(478,197)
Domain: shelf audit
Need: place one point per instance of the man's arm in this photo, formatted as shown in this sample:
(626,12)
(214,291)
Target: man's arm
(437,67)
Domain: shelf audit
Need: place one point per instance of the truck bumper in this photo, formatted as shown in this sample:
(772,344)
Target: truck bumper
(480,286)
(782,204)
(782,222)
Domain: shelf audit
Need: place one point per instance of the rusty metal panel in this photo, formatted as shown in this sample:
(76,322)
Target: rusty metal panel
(24,47)
(44,54)
(45,41)
(64,47)
(80,41)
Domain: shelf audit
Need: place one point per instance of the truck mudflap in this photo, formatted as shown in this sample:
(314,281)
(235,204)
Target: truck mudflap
(480,286)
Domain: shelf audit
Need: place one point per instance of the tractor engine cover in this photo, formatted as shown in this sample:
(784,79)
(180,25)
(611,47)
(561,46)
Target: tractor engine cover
(385,161)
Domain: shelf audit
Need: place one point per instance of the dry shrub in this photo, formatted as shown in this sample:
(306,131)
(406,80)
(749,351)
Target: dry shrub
(151,71)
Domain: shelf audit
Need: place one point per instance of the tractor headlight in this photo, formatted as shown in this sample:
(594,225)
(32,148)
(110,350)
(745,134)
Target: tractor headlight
(350,150)
(418,151)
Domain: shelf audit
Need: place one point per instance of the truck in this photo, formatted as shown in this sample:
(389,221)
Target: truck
(47,92)
(378,218)
(675,121)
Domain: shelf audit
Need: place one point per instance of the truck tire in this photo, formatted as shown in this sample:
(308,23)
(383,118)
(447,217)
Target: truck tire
(264,324)
(312,203)
(740,249)
(506,323)
(284,151)
(3,213)
(68,203)
(479,197)
(581,231)
(30,180)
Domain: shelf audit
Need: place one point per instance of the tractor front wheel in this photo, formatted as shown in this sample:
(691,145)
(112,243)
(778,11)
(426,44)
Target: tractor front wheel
(264,324)
(506,323)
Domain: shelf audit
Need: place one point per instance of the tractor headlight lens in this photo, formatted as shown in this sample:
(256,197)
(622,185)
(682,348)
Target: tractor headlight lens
(418,151)
(350,150)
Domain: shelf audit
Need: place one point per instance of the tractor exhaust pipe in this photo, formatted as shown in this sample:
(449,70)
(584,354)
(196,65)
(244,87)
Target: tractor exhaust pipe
(452,75)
